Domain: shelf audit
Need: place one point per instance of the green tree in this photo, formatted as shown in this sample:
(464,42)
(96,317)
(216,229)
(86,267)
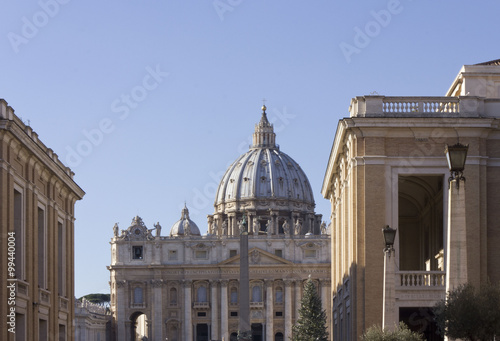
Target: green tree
(102,299)
(311,325)
(470,314)
(401,333)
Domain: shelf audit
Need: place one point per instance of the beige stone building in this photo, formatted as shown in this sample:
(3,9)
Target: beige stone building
(185,286)
(387,167)
(92,321)
(37,195)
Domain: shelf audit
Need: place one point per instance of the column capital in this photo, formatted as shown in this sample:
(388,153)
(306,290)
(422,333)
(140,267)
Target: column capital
(269,282)
(289,282)
(224,282)
(121,284)
(186,283)
(326,281)
(156,283)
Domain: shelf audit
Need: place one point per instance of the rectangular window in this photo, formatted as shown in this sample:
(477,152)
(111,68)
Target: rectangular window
(41,248)
(234,313)
(202,314)
(233,253)
(137,252)
(310,253)
(20,327)
(19,231)
(61,259)
(200,254)
(62,332)
(279,313)
(172,255)
(42,330)
(278,252)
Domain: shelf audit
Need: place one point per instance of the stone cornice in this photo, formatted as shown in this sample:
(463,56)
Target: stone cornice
(29,140)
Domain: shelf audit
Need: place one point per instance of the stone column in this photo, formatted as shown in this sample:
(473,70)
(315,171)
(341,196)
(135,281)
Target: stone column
(122,332)
(298,298)
(224,325)
(288,309)
(269,310)
(326,285)
(188,324)
(456,246)
(230,224)
(214,301)
(389,294)
(157,317)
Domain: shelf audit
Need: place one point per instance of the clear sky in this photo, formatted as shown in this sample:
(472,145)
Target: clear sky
(149,101)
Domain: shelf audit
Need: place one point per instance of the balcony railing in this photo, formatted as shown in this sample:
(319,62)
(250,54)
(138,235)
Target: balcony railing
(420,105)
(382,106)
(421,279)
(256,305)
(201,305)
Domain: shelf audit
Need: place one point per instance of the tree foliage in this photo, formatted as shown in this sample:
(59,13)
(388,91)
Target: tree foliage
(311,325)
(401,333)
(103,299)
(470,314)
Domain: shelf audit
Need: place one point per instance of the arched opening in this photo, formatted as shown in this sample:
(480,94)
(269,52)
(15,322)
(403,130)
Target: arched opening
(139,327)
(256,293)
(173,296)
(257,332)
(420,230)
(201,294)
(278,337)
(173,332)
(279,295)
(234,295)
(233,337)
(202,332)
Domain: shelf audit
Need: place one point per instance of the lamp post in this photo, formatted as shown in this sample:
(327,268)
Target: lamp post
(388,313)
(456,244)
(456,156)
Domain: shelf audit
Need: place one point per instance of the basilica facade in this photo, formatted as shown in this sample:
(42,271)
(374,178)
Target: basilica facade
(185,286)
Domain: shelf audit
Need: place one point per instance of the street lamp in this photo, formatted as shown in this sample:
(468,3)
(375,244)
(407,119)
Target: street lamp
(456,155)
(389,298)
(389,236)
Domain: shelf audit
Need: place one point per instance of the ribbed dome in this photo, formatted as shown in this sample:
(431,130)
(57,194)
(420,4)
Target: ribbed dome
(264,172)
(179,228)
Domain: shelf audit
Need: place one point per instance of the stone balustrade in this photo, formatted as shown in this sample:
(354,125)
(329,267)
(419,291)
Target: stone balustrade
(420,279)
(462,106)
(91,307)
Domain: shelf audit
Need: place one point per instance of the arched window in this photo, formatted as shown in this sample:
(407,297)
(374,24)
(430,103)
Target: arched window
(201,294)
(173,296)
(278,337)
(233,337)
(279,295)
(138,297)
(234,295)
(256,293)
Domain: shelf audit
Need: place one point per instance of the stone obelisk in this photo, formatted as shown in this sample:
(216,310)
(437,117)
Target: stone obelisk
(245,331)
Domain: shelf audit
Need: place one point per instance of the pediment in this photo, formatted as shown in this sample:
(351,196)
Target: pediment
(257,256)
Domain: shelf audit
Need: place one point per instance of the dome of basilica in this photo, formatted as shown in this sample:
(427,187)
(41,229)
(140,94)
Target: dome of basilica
(264,173)
(184,226)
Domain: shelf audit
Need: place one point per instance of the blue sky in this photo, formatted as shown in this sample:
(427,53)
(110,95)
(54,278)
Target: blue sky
(149,101)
